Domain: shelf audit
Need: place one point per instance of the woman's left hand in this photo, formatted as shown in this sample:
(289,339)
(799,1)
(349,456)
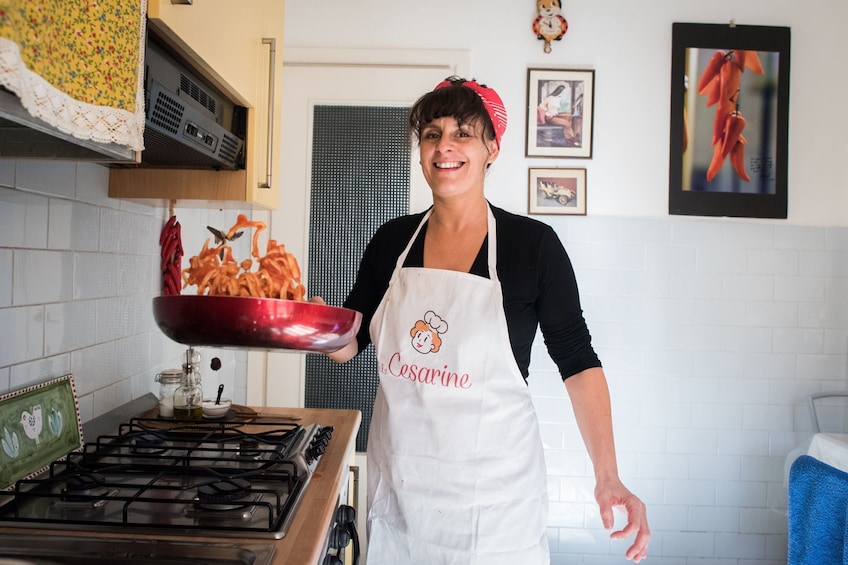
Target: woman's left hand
(614,494)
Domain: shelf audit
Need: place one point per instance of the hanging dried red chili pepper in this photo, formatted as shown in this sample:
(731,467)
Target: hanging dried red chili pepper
(170,241)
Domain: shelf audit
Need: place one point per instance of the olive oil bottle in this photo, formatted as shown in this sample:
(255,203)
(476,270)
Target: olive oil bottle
(188,398)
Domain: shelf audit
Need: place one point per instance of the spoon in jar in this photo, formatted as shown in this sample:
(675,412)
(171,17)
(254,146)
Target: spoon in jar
(220,392)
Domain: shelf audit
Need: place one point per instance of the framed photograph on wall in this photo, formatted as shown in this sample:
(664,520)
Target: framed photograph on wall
(729,120)
(557,191)
(560,109)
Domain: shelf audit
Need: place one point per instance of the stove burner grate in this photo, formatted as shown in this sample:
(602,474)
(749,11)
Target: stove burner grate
(84,487)
(226,490)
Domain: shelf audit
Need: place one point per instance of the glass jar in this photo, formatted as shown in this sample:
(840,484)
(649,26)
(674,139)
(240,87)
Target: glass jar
(188,398)
(169,381)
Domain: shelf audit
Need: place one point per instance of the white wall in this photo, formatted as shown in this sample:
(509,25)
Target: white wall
(712,331)
(628,44)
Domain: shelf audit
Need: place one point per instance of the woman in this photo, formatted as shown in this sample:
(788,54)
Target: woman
(451,299)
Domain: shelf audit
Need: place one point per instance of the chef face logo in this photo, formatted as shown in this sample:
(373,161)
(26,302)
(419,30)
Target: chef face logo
(426,333)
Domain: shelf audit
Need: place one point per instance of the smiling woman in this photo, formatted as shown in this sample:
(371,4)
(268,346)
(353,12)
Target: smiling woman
(480,281)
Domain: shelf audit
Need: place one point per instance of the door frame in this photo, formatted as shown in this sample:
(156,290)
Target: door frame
(454,62)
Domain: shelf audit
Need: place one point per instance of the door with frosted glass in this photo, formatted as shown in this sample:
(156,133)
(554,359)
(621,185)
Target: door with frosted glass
(347,166)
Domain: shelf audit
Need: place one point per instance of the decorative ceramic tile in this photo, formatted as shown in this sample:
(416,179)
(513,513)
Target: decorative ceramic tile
(39,425)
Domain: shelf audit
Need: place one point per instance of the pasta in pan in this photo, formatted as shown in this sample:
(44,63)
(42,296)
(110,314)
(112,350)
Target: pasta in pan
(216,272)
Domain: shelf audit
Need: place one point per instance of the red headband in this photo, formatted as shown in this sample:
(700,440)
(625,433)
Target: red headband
(491,101)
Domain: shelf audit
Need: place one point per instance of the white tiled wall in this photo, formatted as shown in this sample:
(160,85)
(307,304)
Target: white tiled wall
(78,271)
(712,333)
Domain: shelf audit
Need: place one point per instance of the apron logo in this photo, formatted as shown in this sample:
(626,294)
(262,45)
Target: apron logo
(437,376)
(426,333)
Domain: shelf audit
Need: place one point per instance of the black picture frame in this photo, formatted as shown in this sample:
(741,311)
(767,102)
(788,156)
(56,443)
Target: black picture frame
(761,99)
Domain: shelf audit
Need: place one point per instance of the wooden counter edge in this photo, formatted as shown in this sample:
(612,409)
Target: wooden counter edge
(304,541)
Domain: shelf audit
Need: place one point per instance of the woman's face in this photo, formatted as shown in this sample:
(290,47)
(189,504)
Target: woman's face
(454,158)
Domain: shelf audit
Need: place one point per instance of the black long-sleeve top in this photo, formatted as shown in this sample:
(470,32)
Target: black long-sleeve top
(537,280)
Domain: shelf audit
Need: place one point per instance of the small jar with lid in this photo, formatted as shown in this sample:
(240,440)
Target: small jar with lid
(188,398)
(169,381)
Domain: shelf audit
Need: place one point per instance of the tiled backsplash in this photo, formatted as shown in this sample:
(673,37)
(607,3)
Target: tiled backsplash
(78,272)
(712,333)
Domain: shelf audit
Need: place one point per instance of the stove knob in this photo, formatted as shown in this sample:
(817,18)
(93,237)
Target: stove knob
(345,514)
(339,537)
(321,442)
(314,452)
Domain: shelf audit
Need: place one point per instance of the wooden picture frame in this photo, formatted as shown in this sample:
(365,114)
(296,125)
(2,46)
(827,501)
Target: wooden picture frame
(556,191)
(560,113)
(716,169)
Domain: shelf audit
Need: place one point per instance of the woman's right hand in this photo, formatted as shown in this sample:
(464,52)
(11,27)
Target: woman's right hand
(348,351)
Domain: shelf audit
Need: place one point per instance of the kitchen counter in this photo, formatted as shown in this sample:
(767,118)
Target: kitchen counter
(303,543)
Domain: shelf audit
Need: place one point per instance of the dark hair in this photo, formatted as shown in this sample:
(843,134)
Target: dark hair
(454,101)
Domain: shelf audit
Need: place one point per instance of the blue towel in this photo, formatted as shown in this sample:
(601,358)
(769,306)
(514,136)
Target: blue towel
(818,500)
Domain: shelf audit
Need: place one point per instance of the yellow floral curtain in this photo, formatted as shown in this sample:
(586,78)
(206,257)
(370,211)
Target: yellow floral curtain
(78,65)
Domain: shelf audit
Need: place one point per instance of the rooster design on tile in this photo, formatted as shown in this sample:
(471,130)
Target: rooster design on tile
(32,423)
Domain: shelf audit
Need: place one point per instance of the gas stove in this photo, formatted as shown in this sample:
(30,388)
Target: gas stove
(227,479)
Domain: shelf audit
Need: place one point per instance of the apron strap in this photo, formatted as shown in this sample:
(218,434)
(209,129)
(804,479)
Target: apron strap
(405,252)
(492,247)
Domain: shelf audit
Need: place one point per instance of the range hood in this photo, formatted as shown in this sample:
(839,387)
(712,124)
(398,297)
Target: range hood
(188,124)
(23,136)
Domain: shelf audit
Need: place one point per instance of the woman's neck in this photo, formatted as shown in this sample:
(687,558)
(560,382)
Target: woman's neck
(459,214)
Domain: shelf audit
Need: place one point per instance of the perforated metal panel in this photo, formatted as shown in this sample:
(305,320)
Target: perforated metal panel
(360,179)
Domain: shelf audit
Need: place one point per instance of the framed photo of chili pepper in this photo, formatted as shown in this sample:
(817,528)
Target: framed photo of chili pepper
(729,120)
(560,108)
(557,191)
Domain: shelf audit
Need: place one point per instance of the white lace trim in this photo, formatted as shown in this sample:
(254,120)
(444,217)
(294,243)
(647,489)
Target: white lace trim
(80,119)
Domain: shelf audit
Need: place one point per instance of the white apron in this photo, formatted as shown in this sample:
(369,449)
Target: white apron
(456,471)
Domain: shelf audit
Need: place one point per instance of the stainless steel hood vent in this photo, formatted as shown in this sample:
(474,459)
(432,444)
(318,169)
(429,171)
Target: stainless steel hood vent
(188,124)
(23,136)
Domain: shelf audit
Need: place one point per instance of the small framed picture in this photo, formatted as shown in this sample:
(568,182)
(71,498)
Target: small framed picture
(560,110)
(557,191)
